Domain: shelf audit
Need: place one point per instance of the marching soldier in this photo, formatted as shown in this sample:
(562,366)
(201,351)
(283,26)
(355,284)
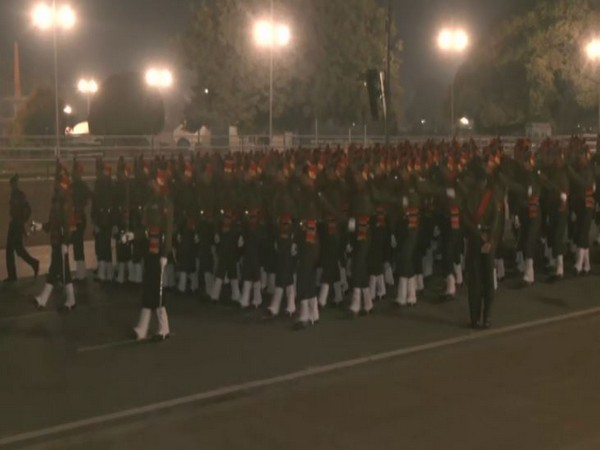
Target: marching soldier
(307,242)
(103,222)
(330,236)
(20,212)
(557,184)
(121,219)
(250,238)
(138,196)
(583,188)
(82,194)
(186,218)
(206,225)
(157,227)
(406,236)
(361,213)
(61,224)
(284,211)
(482,224)
(227,236)
(380,232)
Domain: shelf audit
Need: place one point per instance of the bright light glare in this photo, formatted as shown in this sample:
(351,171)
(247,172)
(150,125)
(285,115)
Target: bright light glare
(68,109)
(464,121)
(66,17)
(282,35)
(453,40)
(92,87)
(87,86)
(45,17)
(268,34)
(263,33)
(593,50)
(445,39)
(42,16)
(160,78)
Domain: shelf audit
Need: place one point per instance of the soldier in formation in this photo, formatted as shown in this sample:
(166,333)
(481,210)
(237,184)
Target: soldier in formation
(306,229)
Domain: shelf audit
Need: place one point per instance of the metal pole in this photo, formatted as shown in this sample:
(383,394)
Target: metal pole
(88,103)
(56,112)
(452,119)
(365,135)
(387,86)
(271,79)
(316,131)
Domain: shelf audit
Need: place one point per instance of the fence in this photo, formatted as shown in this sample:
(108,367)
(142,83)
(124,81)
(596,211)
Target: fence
(36,157)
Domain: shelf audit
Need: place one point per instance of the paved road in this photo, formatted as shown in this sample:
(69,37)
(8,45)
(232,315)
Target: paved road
(60,369)
(529,390)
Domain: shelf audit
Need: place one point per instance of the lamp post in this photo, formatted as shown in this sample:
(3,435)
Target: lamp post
(593,53)
(271,34)
(87,88)
(453,41)
(52,17)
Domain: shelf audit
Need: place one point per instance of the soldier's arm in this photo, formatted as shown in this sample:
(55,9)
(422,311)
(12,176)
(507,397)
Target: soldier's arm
(576,177)
(512,185)
(168,238)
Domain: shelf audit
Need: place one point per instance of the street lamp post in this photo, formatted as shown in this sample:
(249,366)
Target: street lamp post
(87,88)
(593,54)
(52,17)
(271,34)
(453,41)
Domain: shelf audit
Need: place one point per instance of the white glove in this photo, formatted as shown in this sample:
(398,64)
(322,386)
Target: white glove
(517,222)
(241,242)
(436,231)
(179,238)
(594,187)
(348,248)
(352,225)
(394,242)
(294,251)
(276,246)
(573,217)
(405,201)
(217,239)
(196,239)
(124,238)
(451,193)
(36,226)
(65,249)
(163,262)
(563,197)
(130,236)
(529,191)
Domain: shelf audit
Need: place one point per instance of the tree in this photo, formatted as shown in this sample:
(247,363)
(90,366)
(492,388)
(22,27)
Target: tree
(321,74)
(126,106)
(37,115)
(532,67)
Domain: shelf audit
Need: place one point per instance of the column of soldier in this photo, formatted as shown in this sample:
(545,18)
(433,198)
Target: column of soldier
(305,229)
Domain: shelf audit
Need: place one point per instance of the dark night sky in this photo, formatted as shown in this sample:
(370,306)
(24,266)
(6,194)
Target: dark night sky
(117,35)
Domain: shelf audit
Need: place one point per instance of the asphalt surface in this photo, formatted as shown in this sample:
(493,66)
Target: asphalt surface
(531,388)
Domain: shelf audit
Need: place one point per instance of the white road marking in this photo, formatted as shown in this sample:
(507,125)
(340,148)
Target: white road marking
(228,390)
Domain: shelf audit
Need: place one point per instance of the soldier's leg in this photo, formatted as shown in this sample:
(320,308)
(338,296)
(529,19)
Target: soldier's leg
(488,291)
(78,252)
(474,281)
(10,253)
(20,250)
(54,274)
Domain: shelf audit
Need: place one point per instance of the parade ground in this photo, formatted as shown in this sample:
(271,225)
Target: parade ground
(228,379)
